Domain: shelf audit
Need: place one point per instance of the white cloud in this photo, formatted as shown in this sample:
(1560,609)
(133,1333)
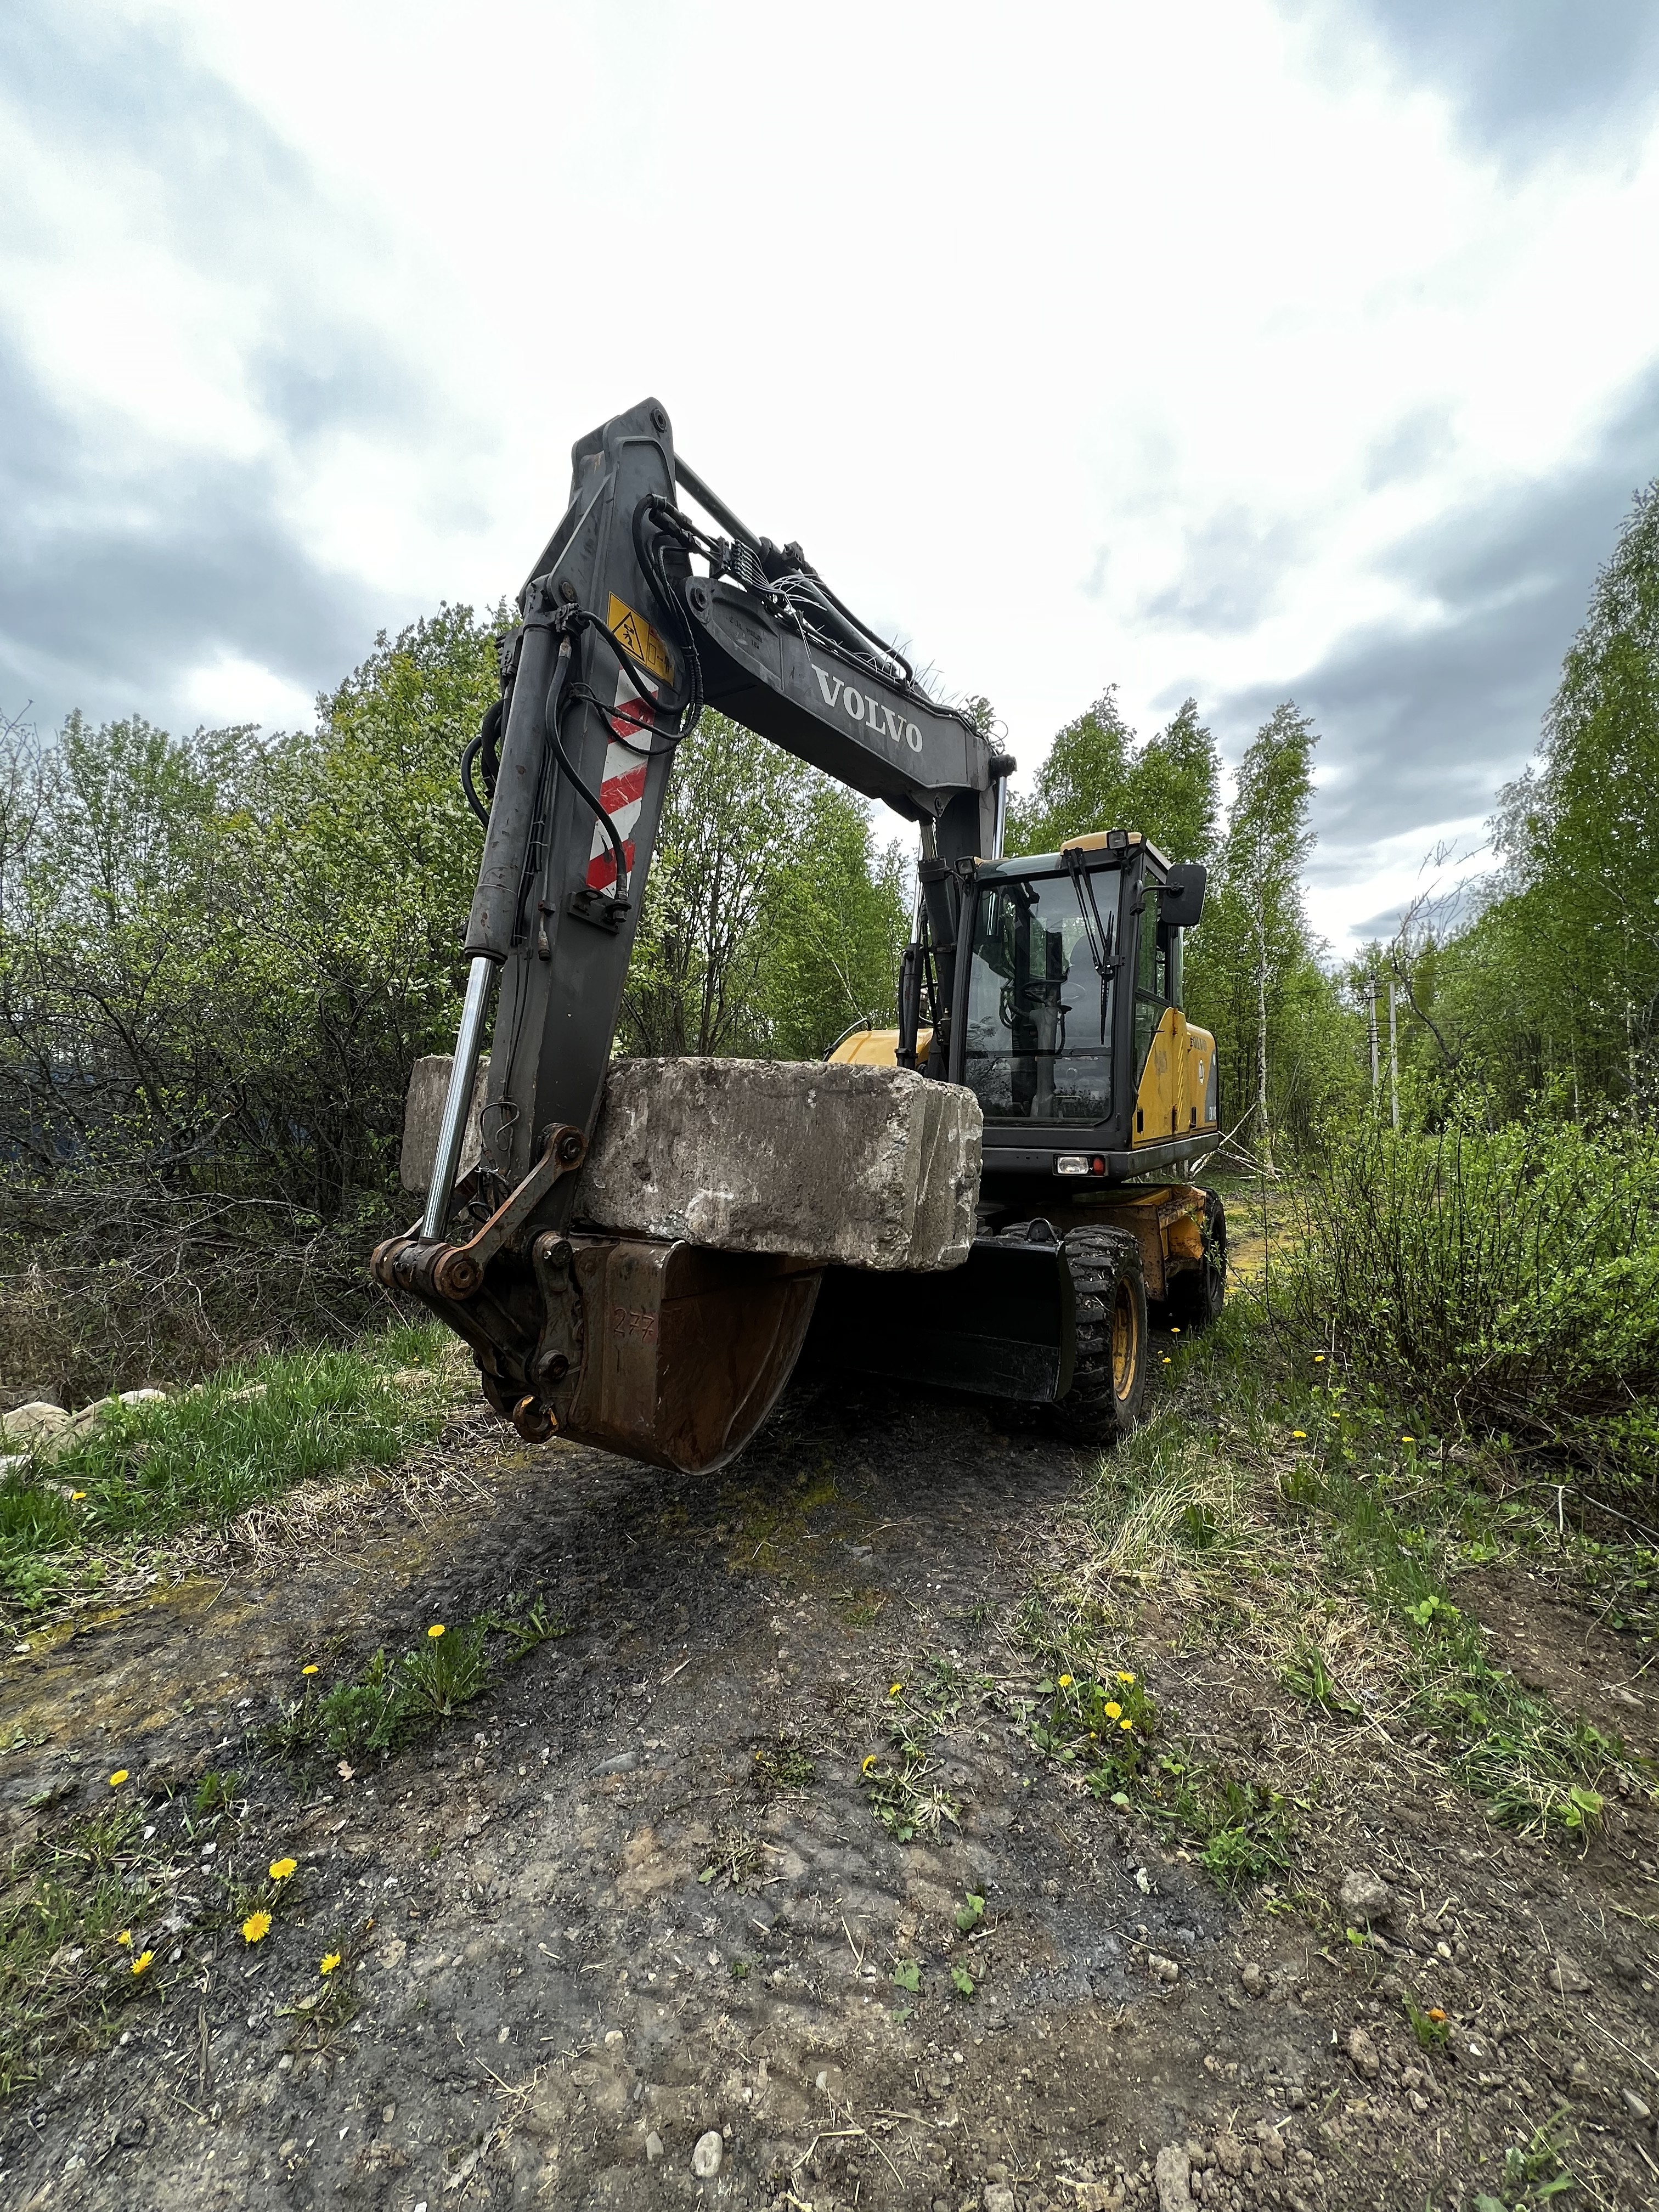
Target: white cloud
(1066,342)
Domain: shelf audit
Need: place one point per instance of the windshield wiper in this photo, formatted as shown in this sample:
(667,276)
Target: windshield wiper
(1097,931)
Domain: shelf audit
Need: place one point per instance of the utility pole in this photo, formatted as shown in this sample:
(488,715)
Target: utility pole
(1394,1056)
(1371,1025)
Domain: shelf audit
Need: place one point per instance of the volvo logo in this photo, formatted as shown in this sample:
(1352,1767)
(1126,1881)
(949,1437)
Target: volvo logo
(881,720)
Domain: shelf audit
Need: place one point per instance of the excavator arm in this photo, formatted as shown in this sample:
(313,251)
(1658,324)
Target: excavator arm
(634,618)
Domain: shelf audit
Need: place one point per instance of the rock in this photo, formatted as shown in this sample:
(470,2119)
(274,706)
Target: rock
(619,1762)
(143,1398)
(1362,2053)
(1230,2154)
(997,2196)
(653,2147)
(1172,2177)
(1162,1970)
(1566,1976)
(1273,2145)
(424,1110)
(1095,2196)
(34,1424)
(867,1167)
(1635,2105)
(1365,1896)
(707,2154)
(1255,1981)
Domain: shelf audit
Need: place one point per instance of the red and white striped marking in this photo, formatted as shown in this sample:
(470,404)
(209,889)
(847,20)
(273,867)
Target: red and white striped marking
(622,792)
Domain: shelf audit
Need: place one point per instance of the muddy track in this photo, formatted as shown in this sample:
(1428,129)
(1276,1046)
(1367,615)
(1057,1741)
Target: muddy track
(610,1915)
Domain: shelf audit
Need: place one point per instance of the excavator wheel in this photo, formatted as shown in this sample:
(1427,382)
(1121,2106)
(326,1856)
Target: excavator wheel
(1109,1374)
(1197,1295)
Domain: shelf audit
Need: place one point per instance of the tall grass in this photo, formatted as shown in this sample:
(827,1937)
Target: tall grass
(1502,1282)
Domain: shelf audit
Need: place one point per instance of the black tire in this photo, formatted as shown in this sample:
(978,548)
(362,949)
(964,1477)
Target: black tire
(1109,1373)
(1197,1295)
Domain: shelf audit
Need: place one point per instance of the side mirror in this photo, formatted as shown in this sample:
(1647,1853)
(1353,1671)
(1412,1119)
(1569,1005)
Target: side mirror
(1183,895)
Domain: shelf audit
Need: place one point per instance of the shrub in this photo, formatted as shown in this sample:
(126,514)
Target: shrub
(1504,1282)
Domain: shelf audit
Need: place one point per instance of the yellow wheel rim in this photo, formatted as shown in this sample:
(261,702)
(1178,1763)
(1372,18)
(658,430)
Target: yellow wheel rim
(1125,1340)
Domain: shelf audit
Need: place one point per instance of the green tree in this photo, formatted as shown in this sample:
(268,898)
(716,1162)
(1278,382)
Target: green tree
(1252,976)
(836,927)
(1097,777)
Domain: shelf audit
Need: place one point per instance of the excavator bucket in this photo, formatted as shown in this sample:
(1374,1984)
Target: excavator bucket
(690,1350)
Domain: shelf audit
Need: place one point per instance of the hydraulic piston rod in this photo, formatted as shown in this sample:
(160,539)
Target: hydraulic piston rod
(463,1073)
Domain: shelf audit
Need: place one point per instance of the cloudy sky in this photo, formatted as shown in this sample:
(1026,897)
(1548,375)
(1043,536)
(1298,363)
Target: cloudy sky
(1252,350)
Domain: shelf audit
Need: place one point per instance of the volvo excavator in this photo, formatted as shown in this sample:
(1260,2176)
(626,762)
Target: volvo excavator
(1049,986)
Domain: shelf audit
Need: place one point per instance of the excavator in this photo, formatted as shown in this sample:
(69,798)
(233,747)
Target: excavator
(1049,986)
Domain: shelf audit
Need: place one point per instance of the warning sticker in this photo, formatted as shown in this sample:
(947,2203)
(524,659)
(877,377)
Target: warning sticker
(633,632)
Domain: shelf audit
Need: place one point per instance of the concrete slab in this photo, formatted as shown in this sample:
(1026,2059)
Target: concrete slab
(864,1167)
(867,1167)
(424,1110)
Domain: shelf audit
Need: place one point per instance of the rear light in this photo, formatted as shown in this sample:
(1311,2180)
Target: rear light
(1096,1166)
(1071,1163)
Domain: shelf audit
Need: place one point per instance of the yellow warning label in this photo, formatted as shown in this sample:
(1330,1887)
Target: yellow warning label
(636,634)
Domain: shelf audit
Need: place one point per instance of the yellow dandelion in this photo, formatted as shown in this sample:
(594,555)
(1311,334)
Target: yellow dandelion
(77,1496)
(280,1868)
(1113,1711)
(327,1965)
(1408,1440)
(1127,1680)
(308,1670)
(869,1762)
(117,1778)
(436,1629)
(1299,1436)
(1435,2014)
(1319,1359)
(1126,1723)
(1168,1361)
(1175,1332)
(142,1963)
(125,1939)
(1064,1681)
(895,1689)
(255,1927)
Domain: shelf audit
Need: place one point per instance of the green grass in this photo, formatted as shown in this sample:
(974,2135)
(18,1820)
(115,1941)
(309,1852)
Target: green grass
(396,1700)
(1271,1495)
(207,1456)
(64,1974)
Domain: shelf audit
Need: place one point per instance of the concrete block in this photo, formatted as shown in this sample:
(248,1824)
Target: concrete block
(424,1110)
(866,1167)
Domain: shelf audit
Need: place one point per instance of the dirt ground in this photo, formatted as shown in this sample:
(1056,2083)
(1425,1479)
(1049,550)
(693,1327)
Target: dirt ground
(636,1894)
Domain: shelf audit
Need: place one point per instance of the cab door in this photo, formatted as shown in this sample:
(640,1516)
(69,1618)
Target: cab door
(1162,1058)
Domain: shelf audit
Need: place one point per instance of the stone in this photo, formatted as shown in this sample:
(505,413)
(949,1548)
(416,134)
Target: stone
(1365,1896)
(424,1110)
(864,1167)
(1172,2177)
(33,1423)
(861,1167)
(1567,1977)
(997,2196)
(1254,1979)
(1273,2145)
(1635,2105)
(1230,2154)
(653,2147)
(707,2155)
(1162,1970)
(1362,2054)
